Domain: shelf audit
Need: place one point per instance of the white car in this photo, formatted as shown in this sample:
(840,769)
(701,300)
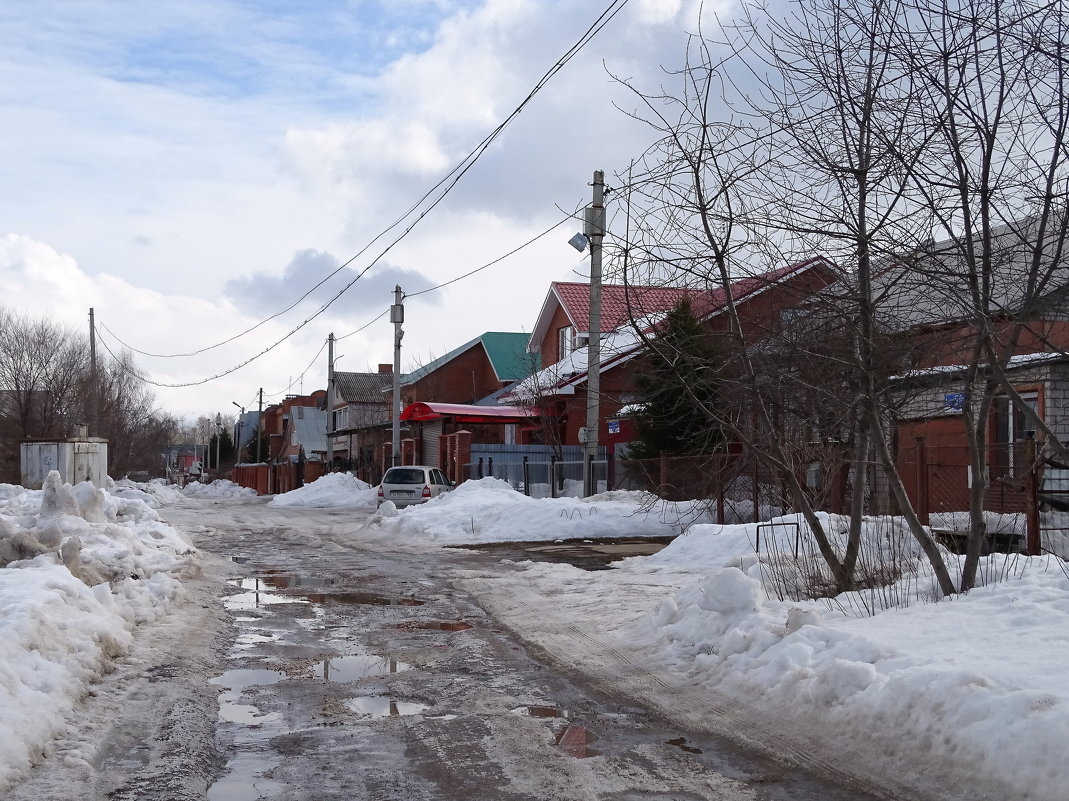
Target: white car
(412,484)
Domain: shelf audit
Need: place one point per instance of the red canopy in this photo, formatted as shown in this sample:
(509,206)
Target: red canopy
(463,413)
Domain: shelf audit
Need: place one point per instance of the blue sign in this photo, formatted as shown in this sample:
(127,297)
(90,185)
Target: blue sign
(954,400)
(614,426)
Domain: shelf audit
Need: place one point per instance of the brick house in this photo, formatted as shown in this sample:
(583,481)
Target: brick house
(361,421)
(296,432)
(560,336)
(472,375)
(480,367)
(925,303)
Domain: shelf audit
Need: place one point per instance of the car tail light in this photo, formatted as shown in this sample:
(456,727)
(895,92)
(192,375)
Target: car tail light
(381,493)
(426,492)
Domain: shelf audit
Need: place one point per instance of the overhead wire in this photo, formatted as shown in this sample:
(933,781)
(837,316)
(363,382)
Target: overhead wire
(448,181)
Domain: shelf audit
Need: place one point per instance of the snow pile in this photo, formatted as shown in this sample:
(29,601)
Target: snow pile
(83,569)
(490,510)
(155,493)
(220,488)
(331,489)
(971,684)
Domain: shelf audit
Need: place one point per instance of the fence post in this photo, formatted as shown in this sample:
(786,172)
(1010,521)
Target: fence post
(756,489)
(553,476)
(480,467)
(922,482)
(526,477)
(662,479)
(1033,545)
(490,466)
(720,500)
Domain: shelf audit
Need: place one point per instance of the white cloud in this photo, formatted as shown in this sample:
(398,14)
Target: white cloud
(208,142)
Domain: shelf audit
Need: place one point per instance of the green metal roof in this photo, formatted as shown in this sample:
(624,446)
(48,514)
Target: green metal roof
(506,351)
(508,355)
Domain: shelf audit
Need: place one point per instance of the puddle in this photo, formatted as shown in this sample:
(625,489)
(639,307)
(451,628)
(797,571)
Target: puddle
(380,706)
(435,625)
(255,596)
(586,554)
(241,678)
(354,668)
(285,581)
(537,711)
(575,741)
(244,780)
(235,682)
(359,598)
(251,639)
(681,742)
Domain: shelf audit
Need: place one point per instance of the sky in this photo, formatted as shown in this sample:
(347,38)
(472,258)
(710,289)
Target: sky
(194,170)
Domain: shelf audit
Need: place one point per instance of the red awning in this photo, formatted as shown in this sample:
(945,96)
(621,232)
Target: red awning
(463,413)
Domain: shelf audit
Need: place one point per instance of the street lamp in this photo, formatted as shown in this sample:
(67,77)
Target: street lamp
(241,422)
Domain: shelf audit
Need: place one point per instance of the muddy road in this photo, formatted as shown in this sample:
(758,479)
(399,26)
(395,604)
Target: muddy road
(316,661)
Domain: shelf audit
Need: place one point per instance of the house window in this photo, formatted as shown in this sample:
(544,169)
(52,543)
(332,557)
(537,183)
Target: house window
(565,341)
(1007,446)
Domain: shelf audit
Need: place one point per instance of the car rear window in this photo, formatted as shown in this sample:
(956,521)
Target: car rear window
(403,475)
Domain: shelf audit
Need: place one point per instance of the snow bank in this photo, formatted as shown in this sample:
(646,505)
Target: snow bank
(220,488)
(973,685)
(155,493)
(83,569)
(331,489)
(490,510)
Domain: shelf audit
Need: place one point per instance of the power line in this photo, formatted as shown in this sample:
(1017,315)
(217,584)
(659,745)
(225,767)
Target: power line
(300,377)
(448,181)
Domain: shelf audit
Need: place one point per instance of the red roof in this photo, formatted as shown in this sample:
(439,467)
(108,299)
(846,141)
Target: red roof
(468,414)
(619,303)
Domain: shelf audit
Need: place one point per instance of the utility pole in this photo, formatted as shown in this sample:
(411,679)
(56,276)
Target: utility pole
(259,424)
(594,230)
(331,400)
(93,423)
(397,316)
(218,437)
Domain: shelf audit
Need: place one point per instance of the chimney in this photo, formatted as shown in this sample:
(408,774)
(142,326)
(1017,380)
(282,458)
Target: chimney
(386,369)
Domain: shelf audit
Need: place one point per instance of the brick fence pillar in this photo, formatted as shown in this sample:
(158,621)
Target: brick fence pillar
(386,456)
(461,455)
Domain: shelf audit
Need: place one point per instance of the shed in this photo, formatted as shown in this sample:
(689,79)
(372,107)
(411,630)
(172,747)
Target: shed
(80,458)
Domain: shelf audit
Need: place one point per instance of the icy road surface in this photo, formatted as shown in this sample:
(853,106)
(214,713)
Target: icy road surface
(318,659)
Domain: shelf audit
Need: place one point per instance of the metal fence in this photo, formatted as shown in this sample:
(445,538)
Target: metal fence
(540,478)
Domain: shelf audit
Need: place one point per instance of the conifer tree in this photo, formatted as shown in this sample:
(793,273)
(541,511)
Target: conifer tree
(677,387)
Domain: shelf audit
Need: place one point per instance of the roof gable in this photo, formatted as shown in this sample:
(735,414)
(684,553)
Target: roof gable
(623,343)
(362,387)
(506,352)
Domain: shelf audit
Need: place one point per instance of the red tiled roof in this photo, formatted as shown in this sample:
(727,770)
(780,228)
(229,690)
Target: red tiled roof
(620,304)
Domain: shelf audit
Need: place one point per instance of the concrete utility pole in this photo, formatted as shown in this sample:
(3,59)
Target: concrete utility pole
(594,230)
(94,429)
(331,399)
(218,438)
(397,316)
(259,424)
